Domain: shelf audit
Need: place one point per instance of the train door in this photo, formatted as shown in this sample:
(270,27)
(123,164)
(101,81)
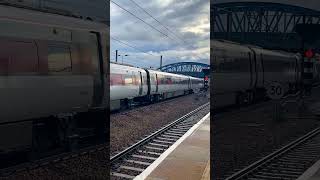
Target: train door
(260,70)
(157,83)
(149,82)
(255,70)
(251,70)
(141,84)
(99,78)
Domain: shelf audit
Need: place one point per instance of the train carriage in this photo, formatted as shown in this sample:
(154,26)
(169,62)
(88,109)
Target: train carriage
(242,72)
(196,84)
(169,85)
(126,84)
(130,84)
(49,65)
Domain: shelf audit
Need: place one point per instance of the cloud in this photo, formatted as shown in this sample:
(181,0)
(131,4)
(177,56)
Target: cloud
(188,19)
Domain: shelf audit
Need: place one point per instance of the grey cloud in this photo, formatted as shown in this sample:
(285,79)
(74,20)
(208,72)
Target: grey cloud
(179,15)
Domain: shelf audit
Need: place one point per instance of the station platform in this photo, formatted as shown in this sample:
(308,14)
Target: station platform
(313,173)
(188,158)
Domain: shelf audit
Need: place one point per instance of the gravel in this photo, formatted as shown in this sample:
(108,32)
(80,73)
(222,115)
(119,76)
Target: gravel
(126,128)
(244,136)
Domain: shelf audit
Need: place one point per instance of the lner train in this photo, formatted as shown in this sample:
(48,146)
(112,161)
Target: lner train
(49,65)
(131,84)
(241,73)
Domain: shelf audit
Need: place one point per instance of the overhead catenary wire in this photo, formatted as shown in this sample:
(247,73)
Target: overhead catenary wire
(141,20)
(129,45)
(153,27)
(166,27)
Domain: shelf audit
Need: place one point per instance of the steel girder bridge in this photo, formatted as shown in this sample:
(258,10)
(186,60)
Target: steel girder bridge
(186,68)
(270,25)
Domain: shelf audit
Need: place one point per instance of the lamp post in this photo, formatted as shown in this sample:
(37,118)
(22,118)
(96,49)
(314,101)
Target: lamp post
(117,54)
(122,57)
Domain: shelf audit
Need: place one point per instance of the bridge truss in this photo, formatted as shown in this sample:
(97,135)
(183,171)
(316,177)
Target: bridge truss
(186,68)
(270,25)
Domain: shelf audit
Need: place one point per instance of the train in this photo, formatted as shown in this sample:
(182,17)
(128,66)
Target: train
(129,85)
(241,73)
(54,85)
(52,69)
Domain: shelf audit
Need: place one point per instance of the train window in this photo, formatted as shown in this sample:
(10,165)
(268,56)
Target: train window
(232,64)
(59,59)
(152,79)
(128,80)
(26,60)
(137,80)
(79,53)
(85,53)
(18,56)
(116,79)
(145,80)
(168,80)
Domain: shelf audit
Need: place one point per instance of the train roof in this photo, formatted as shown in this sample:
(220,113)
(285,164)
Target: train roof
(122,64)
(123,67)
(273,52)
(47,19)
(167,73)
(223,46)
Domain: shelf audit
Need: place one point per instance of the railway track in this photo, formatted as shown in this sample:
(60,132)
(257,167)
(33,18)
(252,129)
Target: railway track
(135,159)
(287,163)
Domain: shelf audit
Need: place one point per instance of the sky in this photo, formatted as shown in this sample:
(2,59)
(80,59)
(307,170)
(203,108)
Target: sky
(187,19)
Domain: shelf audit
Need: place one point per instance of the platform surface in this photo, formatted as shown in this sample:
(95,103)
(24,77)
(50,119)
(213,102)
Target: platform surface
(189,160)
(313,173)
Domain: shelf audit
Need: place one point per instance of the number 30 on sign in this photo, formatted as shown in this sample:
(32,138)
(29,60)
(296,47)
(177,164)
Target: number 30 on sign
(275,90)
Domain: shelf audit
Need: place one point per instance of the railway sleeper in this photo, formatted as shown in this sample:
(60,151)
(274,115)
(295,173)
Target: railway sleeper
(144,157)
(297,158)
(149,152)
(120,175)
(173,134)
(170,136)
(177,132)
(290,174)
(283,166)
(282,170)
(134,164)
(163,141)
(261,177)
(128,171)
(132,168)
(167,139)
(138,162)
(146,153)
(290,160)
(159,145)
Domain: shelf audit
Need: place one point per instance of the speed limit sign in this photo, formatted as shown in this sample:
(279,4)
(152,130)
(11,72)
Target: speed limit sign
(275,90)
